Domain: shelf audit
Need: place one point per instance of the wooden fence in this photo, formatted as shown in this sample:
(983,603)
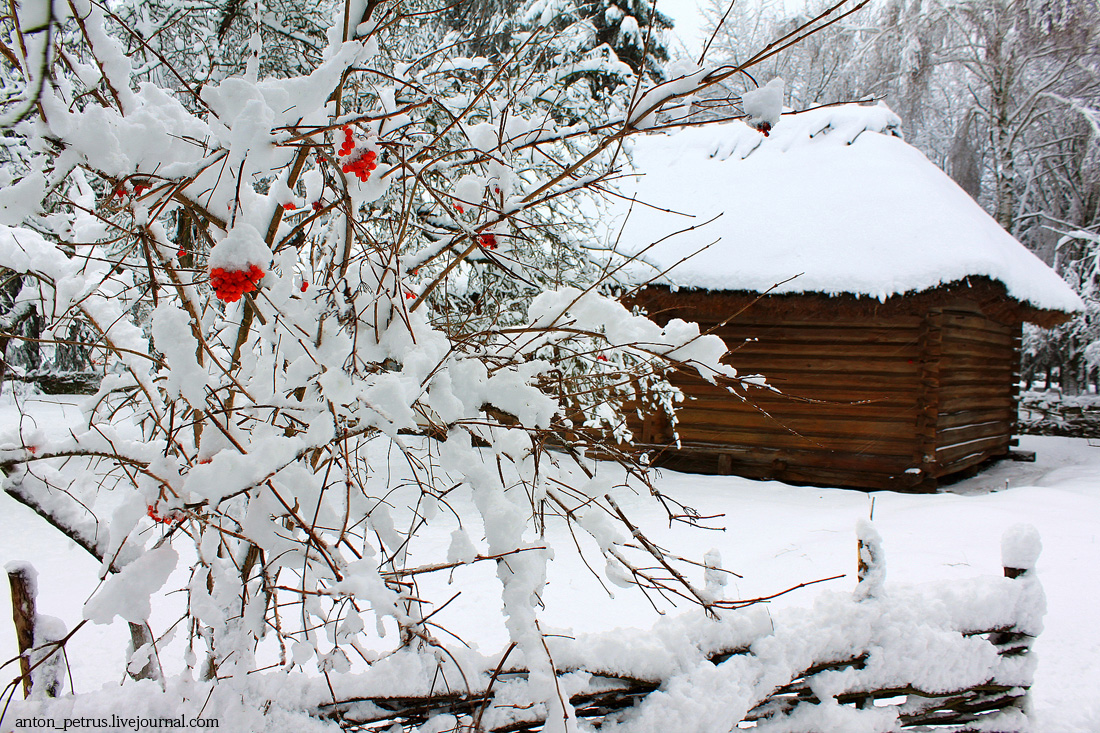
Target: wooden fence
(948,656)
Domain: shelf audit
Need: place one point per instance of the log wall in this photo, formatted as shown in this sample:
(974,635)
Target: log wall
(872,400)
(978,390)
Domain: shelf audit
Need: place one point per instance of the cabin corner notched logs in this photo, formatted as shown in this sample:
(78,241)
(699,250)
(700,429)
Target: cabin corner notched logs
(892,394)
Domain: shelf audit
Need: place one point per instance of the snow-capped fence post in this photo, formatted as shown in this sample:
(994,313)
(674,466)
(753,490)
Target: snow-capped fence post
(21,578)
(870,561)
(1020,548)
(39,637)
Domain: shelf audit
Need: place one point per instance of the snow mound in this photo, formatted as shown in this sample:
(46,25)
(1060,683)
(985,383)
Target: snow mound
(833,201)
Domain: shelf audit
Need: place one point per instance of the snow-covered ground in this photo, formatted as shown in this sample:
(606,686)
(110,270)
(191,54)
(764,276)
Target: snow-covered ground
(775,535)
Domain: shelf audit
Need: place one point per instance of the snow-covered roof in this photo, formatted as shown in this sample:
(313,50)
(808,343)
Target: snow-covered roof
(834,196)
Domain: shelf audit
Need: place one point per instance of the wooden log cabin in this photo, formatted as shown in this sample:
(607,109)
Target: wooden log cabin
(876,297)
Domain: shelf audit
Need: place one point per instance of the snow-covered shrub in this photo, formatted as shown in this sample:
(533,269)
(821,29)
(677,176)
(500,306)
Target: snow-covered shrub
(291,269)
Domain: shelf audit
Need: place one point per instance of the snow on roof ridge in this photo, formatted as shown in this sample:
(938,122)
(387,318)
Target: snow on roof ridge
(833,196)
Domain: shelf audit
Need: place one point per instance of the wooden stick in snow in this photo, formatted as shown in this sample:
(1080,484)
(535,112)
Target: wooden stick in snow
(23,592)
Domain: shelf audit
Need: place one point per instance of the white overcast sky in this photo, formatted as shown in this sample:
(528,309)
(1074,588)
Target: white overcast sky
(689,21)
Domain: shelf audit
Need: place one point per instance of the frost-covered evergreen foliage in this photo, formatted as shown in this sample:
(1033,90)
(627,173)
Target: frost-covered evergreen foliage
(335,275)
(632,32)
(599,49)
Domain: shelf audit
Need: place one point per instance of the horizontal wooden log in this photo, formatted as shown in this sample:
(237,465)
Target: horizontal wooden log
(786,393)
(973,417)
(886,328)
(1000,375)
(973,391)
(769,364)
(765,347)
(957,405)
(814,342)
(872,474)
(965,434)
(810,424)
(998,445)
(839,388)
(813,457)
(761,438)
(963,464)
(971,346)
(960,359)
(893,411)
(976,323)
(845,425)
(979,336)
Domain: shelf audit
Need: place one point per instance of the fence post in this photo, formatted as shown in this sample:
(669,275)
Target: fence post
(870,561)
(1020,548)
(24,587)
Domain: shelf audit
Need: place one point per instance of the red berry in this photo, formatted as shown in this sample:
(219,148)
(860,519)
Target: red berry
(305,285)
(487,240)
(288,207)
(409,295)
(317,206)
(156,517)
(182,252)
(230,285)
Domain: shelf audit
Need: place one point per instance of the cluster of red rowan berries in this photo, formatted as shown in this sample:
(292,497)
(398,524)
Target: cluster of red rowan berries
(139,188)
(487,240)
(360,166)
(168,518)
(763,127)
(230,285)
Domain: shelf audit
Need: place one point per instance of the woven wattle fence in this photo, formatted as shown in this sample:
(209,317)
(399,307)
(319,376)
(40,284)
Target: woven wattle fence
(945,656)
(949,656)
